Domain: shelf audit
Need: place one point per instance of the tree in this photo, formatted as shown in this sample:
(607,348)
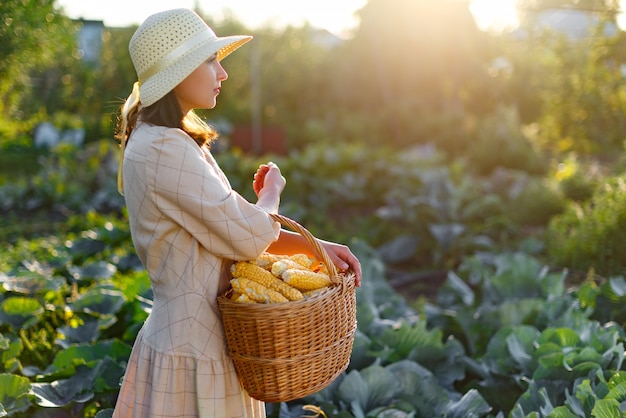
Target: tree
(33,35)
(410,59)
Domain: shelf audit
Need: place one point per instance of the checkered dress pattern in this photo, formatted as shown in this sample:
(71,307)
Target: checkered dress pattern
(187,226)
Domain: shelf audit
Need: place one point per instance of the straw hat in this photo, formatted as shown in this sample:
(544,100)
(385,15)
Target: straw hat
(169,46)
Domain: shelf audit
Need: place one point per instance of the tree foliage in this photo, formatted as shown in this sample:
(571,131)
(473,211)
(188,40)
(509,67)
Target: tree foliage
(410,60)
(34,35)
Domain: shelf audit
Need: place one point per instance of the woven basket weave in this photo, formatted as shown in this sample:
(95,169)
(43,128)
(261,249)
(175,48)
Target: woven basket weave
(286,351)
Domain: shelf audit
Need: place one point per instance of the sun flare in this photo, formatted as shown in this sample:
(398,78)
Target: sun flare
(499,15)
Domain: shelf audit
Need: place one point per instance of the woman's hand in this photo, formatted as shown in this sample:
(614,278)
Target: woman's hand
(268,175)
(268,184)
(343,259)
(290,242)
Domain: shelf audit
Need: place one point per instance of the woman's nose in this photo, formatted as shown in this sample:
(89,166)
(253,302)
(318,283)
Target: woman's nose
(222,74)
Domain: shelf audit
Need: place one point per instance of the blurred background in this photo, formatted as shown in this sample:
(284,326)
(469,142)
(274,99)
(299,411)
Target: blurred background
(427,129)
(471,152)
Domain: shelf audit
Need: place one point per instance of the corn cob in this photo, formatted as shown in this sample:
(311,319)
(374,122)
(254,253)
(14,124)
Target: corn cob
(256,291)
(304,280)
(243,298)
(266,260)
(264,277)
(281,265)
(302,259)
(252,271)
(286,290)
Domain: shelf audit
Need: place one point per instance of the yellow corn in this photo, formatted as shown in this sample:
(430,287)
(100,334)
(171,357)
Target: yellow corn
(252,272)
(281,265)
(264,277)
(256,291)
(302,259)
(266,260)
(286,290)
(242,298)
(305,279)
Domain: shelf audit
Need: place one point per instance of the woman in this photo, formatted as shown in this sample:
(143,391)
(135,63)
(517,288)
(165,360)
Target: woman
(188,225)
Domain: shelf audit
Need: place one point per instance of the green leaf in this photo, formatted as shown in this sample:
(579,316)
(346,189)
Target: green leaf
(78,388)
(508,349)
(420,387)
(361,357)
(14,391)
(551,367)
(618,286)
(561,412)
(32,283)
(471,405)
(88,353)
(451,368)
(105,413)
(102,301)
(20,312)
(516,276)
(99,270)
(22,306)
(618,392)
(520,345)
(606,408)
(354,389)
(583,399)
(87,332)
(518,312)
(371,387)
(584,369)
(82,249)
(617,379)
(455,290)
(563,337)
(392,412)
(412,341)
(587,354)
(10,355)
(587,294)
(408,375)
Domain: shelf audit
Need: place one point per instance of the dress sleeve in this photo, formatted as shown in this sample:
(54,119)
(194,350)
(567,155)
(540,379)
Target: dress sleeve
(192,193)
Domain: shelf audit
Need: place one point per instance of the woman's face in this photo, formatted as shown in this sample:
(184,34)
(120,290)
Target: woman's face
(200,89)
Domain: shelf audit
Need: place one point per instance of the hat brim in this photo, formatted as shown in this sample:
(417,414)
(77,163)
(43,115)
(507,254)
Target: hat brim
(157,86)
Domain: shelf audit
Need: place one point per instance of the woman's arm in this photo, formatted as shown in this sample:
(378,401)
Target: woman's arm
(268,184)
(291,242)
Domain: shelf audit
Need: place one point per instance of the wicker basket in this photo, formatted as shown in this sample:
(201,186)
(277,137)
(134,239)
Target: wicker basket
(286,351)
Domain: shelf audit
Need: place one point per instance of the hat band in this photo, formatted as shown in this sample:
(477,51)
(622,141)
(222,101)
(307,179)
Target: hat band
(189,45)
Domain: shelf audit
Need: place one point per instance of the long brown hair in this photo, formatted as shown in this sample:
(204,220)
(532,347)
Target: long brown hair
(167,112)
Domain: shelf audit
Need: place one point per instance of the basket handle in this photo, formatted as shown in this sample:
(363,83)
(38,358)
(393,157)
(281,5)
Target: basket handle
(296,227)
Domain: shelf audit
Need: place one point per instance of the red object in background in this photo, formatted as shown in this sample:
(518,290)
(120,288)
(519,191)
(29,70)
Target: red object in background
(271,140)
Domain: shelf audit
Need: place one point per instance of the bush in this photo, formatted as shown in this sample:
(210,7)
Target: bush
(576,179)
(499,142)
(537,203)
(591,234)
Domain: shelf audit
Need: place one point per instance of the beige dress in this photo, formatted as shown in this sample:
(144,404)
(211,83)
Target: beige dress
(186,224)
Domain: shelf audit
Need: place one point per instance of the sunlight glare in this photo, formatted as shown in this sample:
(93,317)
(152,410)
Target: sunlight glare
(496,15)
